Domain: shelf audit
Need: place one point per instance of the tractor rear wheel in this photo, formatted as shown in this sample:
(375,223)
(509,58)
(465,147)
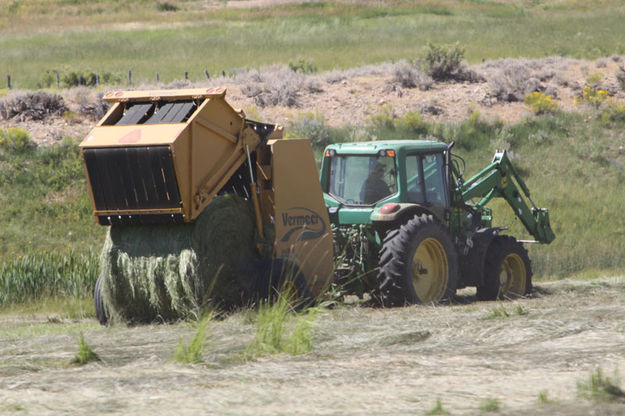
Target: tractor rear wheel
(418,263)
(100,311)
(507,272)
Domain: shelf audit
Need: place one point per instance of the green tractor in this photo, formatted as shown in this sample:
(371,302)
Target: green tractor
(409,228)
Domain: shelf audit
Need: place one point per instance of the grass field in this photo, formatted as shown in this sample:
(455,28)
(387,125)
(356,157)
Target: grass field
(113,37)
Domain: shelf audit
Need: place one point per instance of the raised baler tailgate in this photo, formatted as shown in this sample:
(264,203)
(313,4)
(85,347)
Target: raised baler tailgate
(131,181)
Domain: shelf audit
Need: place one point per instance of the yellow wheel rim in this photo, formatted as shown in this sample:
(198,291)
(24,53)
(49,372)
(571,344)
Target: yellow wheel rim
(430,271)
(513,276)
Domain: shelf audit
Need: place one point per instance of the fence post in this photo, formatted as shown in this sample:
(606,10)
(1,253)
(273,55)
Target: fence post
(97,80)
(208,77)
(9,81)
(157,78)
(186,75)
(58,80)
(129,78)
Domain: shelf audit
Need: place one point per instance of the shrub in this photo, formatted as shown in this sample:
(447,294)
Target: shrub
(442,62)
(334,76)
(31,106)
(74,79)
(166,7)
(273,86)
(305,66)
(87,102)
(409,76)
(620,77)
(15,140)
(48,80)
(614,111)
(540,103)
(312,127)
(384,118)
(414,121)
(601,63)
(513,82)
(592,96)
(594,79)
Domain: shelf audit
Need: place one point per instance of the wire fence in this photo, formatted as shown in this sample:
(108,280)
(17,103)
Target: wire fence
(73,79)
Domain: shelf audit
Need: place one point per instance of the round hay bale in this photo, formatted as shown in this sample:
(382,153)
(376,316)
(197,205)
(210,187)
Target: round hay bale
(169,272)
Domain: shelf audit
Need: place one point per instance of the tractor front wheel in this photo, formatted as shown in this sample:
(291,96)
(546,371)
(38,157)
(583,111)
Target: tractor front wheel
(418,263)
(507,272)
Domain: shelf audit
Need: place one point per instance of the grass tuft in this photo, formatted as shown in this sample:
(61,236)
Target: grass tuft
(279,329)
(601,388)
(490,404)
(191,353)
(437,409)
(543,397)
(85,353)
(501,311)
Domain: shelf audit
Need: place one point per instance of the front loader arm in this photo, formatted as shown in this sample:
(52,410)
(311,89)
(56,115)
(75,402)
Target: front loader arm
(500,179)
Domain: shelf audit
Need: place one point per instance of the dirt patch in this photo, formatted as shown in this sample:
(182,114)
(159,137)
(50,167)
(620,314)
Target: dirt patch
(372,361)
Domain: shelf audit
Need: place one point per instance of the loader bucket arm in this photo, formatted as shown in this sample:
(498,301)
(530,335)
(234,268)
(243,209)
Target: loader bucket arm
(160,156)
(500,179)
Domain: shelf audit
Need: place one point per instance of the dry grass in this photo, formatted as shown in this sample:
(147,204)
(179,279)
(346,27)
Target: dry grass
(363,360)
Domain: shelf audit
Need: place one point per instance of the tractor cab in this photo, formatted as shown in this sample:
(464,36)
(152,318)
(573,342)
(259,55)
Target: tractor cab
(358,179)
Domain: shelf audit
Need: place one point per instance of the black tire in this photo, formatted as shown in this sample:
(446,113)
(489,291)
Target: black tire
(277,276)
(100,311)
(403,280)
(507,270)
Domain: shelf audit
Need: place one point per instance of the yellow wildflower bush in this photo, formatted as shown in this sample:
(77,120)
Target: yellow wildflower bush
(592,96)
(541,103)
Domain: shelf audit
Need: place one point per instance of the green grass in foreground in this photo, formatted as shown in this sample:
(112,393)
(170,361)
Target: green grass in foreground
(85,353)
(331,35)
(601,388)
(191,352)
(279,328)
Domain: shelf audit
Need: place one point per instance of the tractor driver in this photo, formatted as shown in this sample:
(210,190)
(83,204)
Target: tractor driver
(374,187)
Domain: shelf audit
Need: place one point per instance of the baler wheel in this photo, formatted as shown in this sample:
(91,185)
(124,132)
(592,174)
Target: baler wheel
(508,270)
(279,275)
(100,311)
(418,263)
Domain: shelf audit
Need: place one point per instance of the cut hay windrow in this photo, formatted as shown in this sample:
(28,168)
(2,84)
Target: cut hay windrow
(169,272)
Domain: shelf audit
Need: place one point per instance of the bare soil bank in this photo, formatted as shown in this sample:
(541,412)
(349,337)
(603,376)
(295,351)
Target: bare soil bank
(351,97)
